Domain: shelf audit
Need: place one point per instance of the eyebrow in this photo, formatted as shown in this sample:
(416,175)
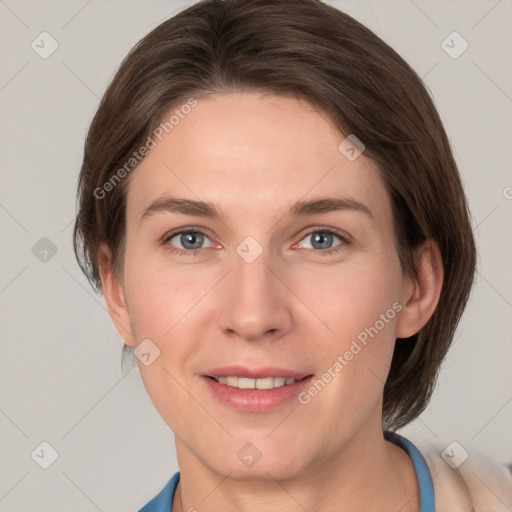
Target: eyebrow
(299,209)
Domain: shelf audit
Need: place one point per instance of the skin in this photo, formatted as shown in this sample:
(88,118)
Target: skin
(253,156)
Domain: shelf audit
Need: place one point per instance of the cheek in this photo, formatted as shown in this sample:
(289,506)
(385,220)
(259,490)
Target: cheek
(352,298)
(161,302)
(160,296)
(359,305)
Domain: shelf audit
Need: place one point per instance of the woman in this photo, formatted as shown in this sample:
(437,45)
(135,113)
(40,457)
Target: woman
(270,206)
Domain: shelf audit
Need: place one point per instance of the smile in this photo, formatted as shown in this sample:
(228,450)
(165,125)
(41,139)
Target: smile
(262,383)
(262,394)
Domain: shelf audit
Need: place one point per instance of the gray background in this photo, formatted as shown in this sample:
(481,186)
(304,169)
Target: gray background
(60,374)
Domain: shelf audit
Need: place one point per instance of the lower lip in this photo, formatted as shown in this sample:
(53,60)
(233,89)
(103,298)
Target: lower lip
(255,400)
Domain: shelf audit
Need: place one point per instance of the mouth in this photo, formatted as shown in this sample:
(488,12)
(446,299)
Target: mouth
(261,383)
(255,391)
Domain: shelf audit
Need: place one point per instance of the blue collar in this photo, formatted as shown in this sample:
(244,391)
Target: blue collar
(425,484)
(163,500)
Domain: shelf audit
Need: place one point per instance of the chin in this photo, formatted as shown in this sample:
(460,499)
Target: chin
(250,464)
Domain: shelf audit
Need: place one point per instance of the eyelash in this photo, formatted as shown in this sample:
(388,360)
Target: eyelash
(192,252)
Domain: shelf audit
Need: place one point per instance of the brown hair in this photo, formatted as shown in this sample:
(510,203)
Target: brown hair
(308,50)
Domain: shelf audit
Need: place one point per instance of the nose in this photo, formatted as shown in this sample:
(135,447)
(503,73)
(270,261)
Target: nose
(255,302)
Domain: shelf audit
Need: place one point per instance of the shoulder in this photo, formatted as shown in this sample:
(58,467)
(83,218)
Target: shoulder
(466,480)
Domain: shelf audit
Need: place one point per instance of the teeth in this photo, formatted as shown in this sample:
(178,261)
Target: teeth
(265,383)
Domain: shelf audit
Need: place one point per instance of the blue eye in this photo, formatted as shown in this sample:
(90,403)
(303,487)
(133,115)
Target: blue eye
(189,242)
(322,239)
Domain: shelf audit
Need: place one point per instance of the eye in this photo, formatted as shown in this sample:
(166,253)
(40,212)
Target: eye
(186,241)
(189,242)
(323,239)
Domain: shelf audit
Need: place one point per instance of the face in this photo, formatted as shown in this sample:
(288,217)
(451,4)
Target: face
(267,283)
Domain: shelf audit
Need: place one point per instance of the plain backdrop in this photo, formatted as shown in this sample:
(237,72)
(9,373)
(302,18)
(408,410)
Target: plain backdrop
(60,375)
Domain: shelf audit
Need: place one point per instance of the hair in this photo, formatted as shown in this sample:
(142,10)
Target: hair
(314,52)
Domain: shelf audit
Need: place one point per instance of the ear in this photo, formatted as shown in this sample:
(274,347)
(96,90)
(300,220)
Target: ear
(420,294)
(114,295)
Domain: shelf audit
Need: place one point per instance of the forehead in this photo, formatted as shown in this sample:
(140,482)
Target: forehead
(247,151)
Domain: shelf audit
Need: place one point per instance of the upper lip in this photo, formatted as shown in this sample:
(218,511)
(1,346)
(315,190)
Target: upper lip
(255,373)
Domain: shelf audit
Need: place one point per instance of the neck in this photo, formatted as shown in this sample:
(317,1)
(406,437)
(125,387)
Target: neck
(367,474)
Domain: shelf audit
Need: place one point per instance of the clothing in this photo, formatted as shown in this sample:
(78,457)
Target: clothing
(477,485)
(163,500)
(423,477)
